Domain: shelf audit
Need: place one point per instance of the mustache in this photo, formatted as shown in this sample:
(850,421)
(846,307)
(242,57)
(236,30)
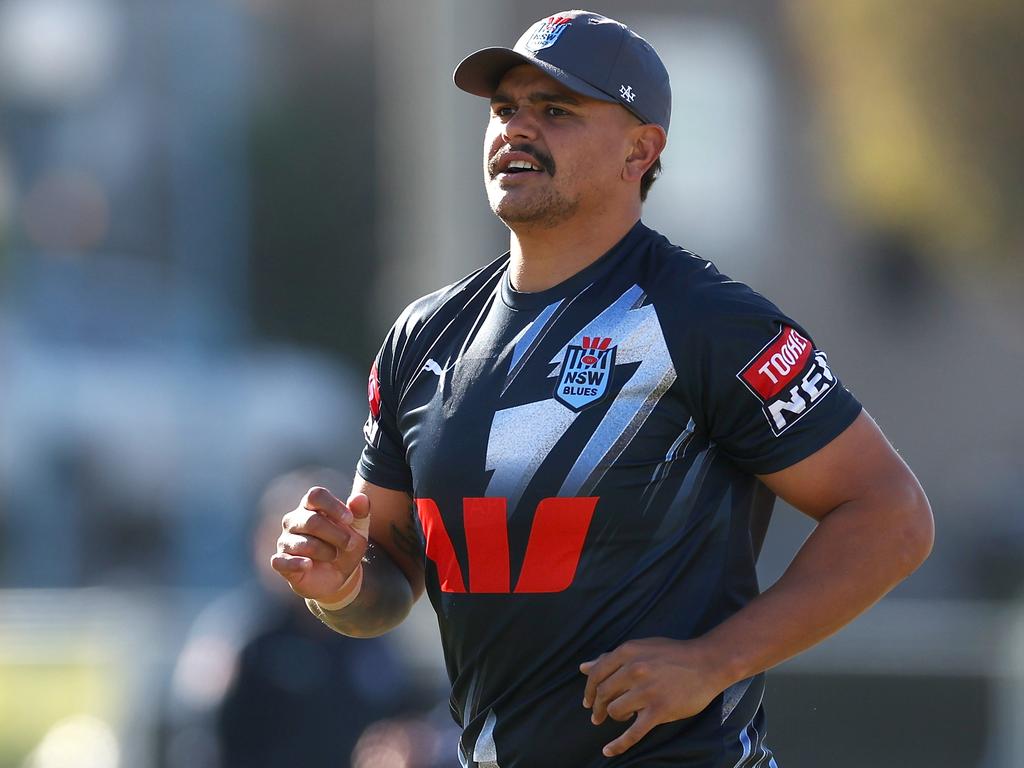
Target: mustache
(543,159)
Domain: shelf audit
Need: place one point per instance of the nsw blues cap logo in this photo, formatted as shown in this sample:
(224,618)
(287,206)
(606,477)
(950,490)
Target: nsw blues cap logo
(546,33)
(586,372)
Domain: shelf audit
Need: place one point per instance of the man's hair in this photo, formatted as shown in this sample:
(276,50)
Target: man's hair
(648,178)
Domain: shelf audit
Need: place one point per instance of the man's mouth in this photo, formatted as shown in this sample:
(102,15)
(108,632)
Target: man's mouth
(522,166)
(520,160)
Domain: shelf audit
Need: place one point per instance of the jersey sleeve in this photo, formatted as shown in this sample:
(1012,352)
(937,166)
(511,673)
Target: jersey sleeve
(383,460)
(767,393)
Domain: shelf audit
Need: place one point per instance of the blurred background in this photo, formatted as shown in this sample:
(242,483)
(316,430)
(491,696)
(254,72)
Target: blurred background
(212,210)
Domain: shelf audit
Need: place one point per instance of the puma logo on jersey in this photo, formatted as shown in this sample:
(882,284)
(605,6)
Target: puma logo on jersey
(433,367)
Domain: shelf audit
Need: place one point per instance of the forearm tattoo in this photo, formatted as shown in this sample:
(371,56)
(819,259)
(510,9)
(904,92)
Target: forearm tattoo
(407,538)
(386,597)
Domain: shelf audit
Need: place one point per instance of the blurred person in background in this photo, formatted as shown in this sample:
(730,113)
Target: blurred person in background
(418,742)
(575,451)
(259,681)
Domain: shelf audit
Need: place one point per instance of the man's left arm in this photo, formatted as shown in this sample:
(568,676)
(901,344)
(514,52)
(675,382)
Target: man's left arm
(874,529)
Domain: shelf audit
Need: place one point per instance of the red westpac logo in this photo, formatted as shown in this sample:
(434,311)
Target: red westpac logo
(552,552)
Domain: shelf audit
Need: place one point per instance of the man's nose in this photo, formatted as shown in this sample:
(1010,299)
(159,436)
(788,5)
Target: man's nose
(521,125)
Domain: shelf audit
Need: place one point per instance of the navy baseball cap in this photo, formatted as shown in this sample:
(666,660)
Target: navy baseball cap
(588,53)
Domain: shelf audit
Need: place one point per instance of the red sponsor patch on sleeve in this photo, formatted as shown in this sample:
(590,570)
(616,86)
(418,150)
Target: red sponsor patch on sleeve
(777,364)
(373,392)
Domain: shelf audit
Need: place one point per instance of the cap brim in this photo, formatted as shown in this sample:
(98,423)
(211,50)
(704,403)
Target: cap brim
(480,72)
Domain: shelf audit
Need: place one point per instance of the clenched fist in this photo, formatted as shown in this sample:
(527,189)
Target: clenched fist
(322,544)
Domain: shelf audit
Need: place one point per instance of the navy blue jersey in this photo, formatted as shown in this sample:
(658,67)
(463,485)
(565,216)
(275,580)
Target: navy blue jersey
(584,461)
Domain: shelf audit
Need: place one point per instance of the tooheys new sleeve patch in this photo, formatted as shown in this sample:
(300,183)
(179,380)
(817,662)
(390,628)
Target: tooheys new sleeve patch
(789,377)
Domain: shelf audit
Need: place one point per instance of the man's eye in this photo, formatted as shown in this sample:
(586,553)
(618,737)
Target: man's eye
(503,111)
(557,112)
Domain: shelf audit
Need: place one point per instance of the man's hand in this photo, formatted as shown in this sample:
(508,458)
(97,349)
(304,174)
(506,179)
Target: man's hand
(657,679)
(322,545)
(874,528)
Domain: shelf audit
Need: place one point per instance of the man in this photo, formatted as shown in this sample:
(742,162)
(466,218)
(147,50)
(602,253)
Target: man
(575,450)
(257,676)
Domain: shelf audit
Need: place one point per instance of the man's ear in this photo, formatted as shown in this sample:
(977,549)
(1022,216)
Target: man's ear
(648,143)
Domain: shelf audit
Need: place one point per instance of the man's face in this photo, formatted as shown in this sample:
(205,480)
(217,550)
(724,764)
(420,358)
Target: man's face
(549,152)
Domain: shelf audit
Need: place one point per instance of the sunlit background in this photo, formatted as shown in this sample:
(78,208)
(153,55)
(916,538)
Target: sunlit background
(211,211)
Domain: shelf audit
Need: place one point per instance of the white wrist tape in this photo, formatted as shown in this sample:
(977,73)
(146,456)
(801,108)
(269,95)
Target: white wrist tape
(355,581)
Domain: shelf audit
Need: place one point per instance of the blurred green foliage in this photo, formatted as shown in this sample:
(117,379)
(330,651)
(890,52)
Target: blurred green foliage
(923,104)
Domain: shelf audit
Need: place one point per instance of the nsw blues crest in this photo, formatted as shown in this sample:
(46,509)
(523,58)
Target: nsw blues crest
(547,32)
(586,372)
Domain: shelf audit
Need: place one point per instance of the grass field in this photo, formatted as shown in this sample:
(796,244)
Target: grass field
(34,696)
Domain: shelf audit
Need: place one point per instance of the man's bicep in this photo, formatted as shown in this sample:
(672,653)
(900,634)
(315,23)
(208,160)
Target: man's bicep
(857,464)
(393,528)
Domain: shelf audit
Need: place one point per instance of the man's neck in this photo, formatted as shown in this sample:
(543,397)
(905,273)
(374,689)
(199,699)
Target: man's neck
(544,257)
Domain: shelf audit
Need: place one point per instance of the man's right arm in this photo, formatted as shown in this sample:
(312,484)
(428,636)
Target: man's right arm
(326,555)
